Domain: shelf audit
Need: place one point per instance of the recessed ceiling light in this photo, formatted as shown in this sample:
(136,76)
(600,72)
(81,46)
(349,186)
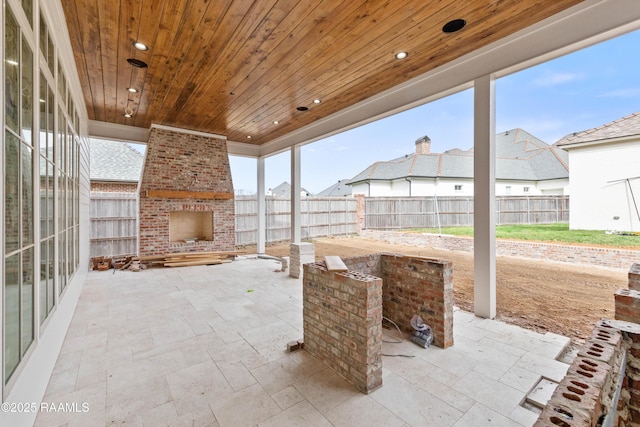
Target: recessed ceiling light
(248,136)
(316,101)
(302,108)
(453,26)
(401,55)
(128,112)
(127,115)
(132,89)
(137,63)
(140,46)
(275,122)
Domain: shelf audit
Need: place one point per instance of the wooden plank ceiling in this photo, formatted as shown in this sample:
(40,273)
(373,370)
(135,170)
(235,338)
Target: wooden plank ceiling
(234,67)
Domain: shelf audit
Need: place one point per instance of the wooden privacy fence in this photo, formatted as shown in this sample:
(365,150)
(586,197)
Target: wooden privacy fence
(114,220)
(114,224)
(114,216)
(384,213)
(320,216)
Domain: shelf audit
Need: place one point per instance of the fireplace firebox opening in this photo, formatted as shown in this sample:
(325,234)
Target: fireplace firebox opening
(190,226)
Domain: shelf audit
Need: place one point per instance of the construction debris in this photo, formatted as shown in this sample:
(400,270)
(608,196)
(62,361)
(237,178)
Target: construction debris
(134,263)
(192,258)
(295,345)
(335,263)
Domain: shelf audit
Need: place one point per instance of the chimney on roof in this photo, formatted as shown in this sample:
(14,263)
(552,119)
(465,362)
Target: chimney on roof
(423,145)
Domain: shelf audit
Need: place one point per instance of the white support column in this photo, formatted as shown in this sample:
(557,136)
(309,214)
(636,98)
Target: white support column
(262,220)
(484,236)
(296,217)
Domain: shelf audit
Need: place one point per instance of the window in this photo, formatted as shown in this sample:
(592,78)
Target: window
(507,190)
(525,189)
(457,187)
(19,294)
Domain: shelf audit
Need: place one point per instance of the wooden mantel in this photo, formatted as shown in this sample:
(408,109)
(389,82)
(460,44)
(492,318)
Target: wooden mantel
(178,194)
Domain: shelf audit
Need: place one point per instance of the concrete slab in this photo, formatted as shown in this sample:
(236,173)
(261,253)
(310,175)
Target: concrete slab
(191,345)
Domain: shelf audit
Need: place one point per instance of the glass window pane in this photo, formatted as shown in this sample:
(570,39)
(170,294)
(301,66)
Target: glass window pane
(27,195)
(43,113)
(61,201)
(51,276)
(43,36)
(44,258)
(27,6)
(50,54)
(44,198)
(50,123)
(12,193)
(27,305)
(62,257)
(11,63)
(50,200)
(11,315)
(27,92)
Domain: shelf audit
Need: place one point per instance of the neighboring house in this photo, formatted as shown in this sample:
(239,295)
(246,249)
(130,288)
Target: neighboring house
(605,176)
(115,166)
(283,191)
(525,165)
(339,189)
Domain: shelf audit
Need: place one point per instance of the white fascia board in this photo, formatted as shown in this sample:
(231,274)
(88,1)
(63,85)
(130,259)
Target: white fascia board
(585,24)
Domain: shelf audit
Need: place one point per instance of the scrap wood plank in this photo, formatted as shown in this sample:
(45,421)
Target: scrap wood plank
(334,263)
(227,253)
(196,262)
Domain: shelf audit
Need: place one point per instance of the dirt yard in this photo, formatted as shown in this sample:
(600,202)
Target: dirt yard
(538,295)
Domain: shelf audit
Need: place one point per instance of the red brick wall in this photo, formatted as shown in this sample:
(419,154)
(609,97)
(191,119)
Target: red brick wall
(410,286)
(634,277)
(114,187)
(585,394)
(420,286)
(343,323)
(360,212)
(608,361)
(185,162)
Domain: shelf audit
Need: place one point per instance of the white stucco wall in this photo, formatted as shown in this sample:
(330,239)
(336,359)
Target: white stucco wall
(427,187)
(596,198)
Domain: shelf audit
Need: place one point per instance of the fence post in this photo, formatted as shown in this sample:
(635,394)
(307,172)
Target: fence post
(346,213)
(329,216)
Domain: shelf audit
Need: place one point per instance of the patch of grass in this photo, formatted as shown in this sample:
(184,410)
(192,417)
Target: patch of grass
(558,233)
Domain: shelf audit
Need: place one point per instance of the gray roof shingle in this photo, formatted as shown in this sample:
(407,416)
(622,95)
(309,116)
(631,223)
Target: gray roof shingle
(114,161)
(519,156)
(626,126)
(338,189)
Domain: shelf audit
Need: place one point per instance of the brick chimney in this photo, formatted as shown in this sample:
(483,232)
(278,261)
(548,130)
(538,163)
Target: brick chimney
(423,145)
(186,194)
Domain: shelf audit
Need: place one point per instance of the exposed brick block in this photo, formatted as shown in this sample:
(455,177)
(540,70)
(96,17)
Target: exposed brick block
(627,305)
(562,414)
(634,277)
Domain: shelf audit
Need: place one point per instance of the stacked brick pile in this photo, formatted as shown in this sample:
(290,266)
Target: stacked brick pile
(602,386)
(300,253)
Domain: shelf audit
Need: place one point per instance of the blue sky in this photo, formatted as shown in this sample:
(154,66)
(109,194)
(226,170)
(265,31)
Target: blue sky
(573,93)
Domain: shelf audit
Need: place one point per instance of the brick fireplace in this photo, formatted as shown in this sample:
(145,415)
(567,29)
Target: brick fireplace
(186,194)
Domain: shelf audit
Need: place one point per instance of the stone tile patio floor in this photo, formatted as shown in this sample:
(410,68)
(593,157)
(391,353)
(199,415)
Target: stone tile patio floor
(205,346)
